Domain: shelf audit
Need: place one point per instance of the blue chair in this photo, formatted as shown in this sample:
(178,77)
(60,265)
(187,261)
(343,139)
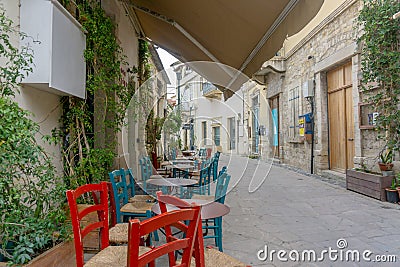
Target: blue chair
(123,208)
(214,170)
(220,193)
(146,171)
(203,153)
(203,185)
(132,196)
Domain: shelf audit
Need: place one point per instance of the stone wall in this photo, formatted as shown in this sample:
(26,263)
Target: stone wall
(322,50)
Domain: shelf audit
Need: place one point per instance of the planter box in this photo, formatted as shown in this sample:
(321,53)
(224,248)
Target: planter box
(61,255)
(372,185)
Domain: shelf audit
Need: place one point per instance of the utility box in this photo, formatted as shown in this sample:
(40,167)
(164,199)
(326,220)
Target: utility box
(308,89)
(58,44)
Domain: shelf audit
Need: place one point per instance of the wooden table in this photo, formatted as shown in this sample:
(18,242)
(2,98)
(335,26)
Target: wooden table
(209,210)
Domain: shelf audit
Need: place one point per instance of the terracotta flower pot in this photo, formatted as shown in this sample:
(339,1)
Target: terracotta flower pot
(385,166)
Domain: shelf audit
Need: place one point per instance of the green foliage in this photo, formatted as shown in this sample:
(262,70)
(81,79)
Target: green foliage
(386,156)
(31,195)
(15,63)
(393,186)
(380,62)
(85,159)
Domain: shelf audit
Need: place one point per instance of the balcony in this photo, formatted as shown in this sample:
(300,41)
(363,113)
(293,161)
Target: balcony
(211,91)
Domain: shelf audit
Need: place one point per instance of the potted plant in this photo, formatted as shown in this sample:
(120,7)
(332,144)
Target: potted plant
(391,192)
(385,160)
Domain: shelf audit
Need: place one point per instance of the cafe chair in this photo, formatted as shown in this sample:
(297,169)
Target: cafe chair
(146,171)
(187,220)
(203,185)
(220,189)
(210,256)
(132,196)
(81,229)
(216,224)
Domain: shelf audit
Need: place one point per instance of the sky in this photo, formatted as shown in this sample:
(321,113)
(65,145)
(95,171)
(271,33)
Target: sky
(167,59)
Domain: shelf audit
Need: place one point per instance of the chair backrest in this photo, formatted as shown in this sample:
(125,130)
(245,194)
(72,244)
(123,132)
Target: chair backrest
(214,163)
(128,176)
(176,218)
(222,187)
(101,207)
(203,153)
(163,201)
(204,179)
(223,170)
(120,191)
(173,154)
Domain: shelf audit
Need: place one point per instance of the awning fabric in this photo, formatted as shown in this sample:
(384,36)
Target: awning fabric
(241,34)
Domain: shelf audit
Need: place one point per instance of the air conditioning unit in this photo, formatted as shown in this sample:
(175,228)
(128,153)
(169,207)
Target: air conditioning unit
(308,89)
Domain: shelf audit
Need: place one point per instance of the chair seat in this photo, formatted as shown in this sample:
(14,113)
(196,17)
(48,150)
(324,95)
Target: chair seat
(112,256)
(142,198)
(203,197)
(137,207)
(119,234)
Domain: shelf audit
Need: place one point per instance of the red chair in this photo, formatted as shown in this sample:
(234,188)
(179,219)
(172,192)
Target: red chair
(76,217)
(163,200)
(118,255)
(203,257)
(173,218)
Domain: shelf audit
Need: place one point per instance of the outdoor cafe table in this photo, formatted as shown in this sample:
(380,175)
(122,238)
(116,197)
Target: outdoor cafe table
(209,210)
(182,161)
(171,182)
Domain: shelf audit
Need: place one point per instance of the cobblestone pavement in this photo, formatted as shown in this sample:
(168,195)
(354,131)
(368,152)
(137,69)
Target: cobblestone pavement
(293,211)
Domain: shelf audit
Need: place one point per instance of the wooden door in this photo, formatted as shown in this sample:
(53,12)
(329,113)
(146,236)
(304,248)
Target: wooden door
(341,118)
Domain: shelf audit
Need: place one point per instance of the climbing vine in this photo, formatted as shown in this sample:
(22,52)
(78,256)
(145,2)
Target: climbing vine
(90,126)
(380,60)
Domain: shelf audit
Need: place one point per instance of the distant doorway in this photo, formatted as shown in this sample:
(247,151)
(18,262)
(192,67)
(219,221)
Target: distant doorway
(274,105)
(341,119)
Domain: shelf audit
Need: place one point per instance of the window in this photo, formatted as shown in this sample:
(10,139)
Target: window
(232,133)
(204,130)
(294,112)
(217,135)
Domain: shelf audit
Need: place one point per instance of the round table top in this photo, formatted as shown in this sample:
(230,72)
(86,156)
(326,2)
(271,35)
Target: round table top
(172,182)
(183,166)
(209,210)
(182,161)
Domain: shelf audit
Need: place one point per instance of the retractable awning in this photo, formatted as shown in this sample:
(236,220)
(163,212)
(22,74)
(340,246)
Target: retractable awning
(241,34)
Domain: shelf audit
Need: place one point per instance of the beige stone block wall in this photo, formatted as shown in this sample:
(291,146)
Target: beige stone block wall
(330,46)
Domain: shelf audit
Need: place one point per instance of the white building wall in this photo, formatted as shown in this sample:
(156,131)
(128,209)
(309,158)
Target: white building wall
(45,107)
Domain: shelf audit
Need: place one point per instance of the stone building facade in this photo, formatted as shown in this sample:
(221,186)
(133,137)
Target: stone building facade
(327,54)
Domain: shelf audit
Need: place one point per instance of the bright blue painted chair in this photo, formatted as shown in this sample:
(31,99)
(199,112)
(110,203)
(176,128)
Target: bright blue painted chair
(203,153)
(220,193)
(146,171)
(123,208)
(215,224)
(203,186)
(132,196)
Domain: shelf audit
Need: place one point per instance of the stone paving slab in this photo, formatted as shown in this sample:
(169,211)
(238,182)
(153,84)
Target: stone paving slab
(291,211)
